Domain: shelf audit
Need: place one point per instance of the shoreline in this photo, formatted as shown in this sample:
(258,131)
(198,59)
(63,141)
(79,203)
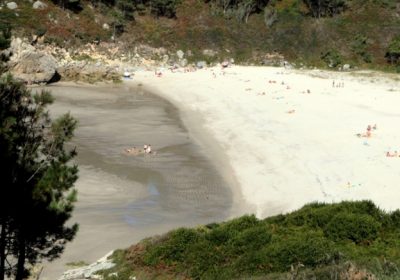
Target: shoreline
(140,196)
(213,150)
(292,141)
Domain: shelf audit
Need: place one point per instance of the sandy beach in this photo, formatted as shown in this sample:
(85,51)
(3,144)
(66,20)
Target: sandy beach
(291,137)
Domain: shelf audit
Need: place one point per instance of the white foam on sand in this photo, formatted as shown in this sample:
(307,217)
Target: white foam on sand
(290,135)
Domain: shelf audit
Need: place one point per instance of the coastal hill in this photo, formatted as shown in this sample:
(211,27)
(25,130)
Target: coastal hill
(355,33)
(349,240)
(332,161)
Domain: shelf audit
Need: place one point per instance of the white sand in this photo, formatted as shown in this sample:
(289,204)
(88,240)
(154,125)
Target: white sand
(283,160)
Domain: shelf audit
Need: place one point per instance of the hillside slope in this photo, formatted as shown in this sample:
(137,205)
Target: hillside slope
(356,32)
(348,240)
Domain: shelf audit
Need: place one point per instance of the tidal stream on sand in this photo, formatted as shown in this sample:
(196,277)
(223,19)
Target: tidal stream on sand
(122,198)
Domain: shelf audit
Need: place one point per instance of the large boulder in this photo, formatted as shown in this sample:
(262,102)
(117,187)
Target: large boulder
(31,65)
(12,5)
(39,5)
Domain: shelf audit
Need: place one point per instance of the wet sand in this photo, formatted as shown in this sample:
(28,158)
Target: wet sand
(121,198)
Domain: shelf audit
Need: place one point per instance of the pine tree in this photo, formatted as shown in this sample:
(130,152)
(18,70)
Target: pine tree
(36,194)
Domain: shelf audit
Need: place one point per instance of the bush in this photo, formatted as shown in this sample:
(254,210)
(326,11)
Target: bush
(165,8)
(393,52)
(332,58)
(319,237)
(359,47)
(325,8)
(308,248)
(203,259)
(357,228)
(172,250)
(250,239)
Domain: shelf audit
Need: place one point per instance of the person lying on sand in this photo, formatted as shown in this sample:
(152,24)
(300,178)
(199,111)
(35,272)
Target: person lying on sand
(366,135)
(395,154)
(132,151)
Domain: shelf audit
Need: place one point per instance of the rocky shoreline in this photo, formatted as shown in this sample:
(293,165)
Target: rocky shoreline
(38,63)
(35,62)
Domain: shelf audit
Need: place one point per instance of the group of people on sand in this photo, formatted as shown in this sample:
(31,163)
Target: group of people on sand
(135,151)
(394,154)
(368,132)
(337,84)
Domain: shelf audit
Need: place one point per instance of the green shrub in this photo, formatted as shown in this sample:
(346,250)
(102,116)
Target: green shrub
(319,238)
(393,52)
(165,8)
(308,248)
(250,239)
(231,229)
(202,259)
(332,58)
(357,228)
(173,249)
(359,47)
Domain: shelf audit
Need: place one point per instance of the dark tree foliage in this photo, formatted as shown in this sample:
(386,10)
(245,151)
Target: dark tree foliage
(240,9)
(163,8)
(324,8)
(393,52)
(73,5)
(36,194)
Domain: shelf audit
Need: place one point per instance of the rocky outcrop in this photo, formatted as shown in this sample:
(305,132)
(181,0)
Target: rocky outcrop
(87,72)
(89,272)
(31,65)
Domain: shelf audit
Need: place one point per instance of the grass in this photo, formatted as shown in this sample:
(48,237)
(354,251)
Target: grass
(319,240)
(77,264)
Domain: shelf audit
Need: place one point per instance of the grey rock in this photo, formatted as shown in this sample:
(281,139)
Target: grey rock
(39,5)
(87,72)
(12,5)
(165,59)
(270,16)
(88,272)
(183,62)
(346,67)
(35,67)
(201,64)
(210,53)
(31,65)
(180,54)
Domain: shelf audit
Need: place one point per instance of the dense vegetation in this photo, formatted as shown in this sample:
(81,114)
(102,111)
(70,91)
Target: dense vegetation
(363,33)
(319,241)
(37,178)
